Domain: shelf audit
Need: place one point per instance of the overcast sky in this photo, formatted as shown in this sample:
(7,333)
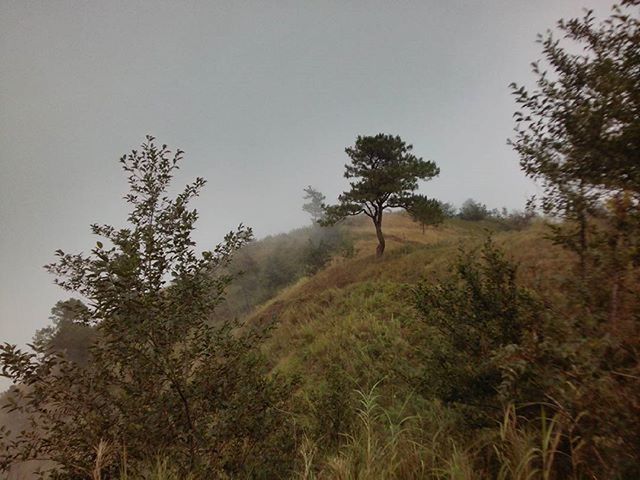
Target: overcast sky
(262,96)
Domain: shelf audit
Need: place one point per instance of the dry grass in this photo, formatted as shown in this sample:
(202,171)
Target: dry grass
(356,315)
(318,318)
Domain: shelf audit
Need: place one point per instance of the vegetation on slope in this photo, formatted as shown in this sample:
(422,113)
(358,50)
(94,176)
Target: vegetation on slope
(380,398)
(474,350)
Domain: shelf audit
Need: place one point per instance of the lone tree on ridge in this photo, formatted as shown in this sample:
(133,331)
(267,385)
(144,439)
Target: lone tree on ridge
(383,174)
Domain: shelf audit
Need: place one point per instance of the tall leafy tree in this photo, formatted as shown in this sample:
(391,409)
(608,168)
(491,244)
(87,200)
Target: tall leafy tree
(581,123)
(578,130)
(578,133)
(163,377)
(314,204)
(383,174)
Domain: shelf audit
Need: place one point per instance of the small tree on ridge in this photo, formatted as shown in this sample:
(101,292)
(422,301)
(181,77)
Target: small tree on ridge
(313,207)
(426,211)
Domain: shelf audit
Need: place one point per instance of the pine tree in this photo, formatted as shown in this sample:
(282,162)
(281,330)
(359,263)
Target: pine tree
(314,205)
(383,174)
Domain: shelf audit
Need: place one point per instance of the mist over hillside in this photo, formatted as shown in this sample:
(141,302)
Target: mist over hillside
(363,284)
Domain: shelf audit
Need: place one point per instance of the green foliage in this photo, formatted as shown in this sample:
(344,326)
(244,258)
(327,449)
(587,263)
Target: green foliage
(578,131)
(448,210)
(579,127)
(383,174)
(161,469)
(162,378)
(316,256)
(381,444)
(517,219)
(426,211)
(262,268)
(535,384)
(474,319)
(488,344)
(280,269)
(473,211)
(332,409)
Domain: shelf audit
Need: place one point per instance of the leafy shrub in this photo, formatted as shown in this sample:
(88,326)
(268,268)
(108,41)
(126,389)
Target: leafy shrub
(161,379)
(316,256)
(332,408)
(473,211)
(517,220)
(474,319)
(489,344)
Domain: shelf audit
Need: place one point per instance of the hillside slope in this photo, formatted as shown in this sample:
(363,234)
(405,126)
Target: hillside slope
(352,338)
(354,323)
(365,293)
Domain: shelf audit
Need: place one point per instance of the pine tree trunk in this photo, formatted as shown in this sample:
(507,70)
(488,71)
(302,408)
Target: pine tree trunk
(381,243)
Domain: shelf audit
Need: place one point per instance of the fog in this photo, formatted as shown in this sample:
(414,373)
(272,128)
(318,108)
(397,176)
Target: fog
(262,96)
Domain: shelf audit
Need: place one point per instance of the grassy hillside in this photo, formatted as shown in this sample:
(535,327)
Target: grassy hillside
(369,398)
(352,336)
(344,308)
(353,327)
